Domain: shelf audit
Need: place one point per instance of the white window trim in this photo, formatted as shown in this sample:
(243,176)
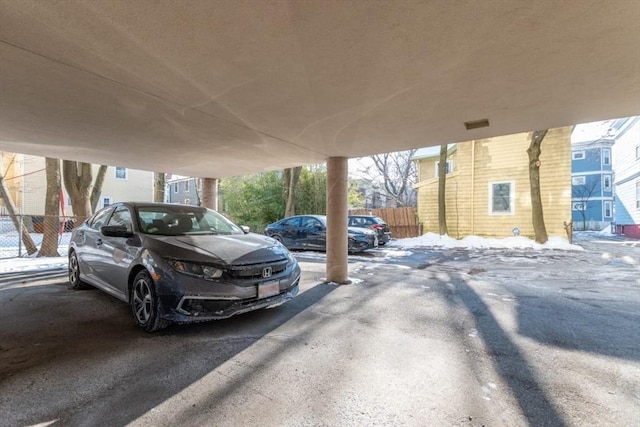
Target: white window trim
(604,209)
(512,198)
(115,173)
(103,198)
(449,165)
(574,155)
(638,195)
(604,182)
(637,152)
(577,206)
(186,186)
(606,154)
(581,178)
(175,187)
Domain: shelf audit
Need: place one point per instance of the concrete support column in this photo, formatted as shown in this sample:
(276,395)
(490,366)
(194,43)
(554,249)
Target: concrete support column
(337,206)
(210,193)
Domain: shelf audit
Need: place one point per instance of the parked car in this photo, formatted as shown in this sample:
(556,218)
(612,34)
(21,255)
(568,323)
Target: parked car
(374,223)
(310,232)
(179,263)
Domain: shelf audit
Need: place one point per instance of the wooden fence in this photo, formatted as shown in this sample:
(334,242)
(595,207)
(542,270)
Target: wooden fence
(402,221)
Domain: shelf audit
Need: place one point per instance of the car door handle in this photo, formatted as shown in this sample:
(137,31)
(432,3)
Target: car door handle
(98,242)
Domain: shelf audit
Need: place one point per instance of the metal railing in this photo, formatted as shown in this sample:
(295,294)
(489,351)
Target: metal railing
(13,238)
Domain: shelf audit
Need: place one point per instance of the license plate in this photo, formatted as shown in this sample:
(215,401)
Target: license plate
(268,289)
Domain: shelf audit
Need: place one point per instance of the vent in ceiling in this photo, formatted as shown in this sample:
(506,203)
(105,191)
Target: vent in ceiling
(484,123)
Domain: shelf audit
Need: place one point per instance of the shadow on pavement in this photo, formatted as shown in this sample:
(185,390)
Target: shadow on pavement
(509,362)
(104,346)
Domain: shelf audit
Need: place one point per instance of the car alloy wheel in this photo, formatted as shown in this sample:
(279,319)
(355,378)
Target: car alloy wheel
(144,303)
(74,273)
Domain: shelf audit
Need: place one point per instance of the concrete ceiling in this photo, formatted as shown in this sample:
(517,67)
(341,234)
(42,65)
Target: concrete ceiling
(220,88)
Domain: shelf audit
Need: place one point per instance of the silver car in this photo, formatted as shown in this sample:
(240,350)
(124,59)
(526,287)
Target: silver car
(179,263)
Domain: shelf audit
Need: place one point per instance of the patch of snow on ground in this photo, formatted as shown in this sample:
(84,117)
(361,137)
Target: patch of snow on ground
(14,265)
(476,242)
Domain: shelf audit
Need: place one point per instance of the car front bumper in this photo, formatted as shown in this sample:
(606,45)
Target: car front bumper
(188,299)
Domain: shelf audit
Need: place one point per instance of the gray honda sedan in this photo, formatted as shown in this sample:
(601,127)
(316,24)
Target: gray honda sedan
(179,263)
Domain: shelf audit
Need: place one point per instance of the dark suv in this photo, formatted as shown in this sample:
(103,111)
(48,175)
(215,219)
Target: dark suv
(374,223)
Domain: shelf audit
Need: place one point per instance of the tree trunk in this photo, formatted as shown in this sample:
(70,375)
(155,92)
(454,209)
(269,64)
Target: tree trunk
(442,180)
(534,152)
(77,180)
(159,184)
(291,178)
(97,187)
(49,247)
(29,245)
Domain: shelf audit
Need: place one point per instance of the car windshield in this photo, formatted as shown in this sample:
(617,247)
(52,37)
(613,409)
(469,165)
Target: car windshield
(183,220)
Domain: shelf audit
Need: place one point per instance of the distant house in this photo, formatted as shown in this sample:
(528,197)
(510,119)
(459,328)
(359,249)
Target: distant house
(488,190)
(626,167)
(592,189)
(183,190)
(28,184)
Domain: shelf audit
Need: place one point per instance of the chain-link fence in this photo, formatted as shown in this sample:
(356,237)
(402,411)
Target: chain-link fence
(22,235)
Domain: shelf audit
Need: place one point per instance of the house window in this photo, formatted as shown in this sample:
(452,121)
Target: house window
(448,168)
(175,187)
(578,180)
(186,186)
(121,173)
(638,194)
(501,197)
(607,210)
(578,206)
(606,182)
(577,155)
(199,181)
(606,156)
(106,201)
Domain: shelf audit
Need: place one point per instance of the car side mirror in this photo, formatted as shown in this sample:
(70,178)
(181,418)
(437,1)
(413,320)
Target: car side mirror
(246,229)
(116,231)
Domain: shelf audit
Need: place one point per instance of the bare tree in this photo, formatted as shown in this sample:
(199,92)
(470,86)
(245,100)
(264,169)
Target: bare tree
(398,173)
(77,180)
(442,180)
(159,184)
(97,187)
(49,247)
(291,178)
(583,193)
(537,215)
(18,222)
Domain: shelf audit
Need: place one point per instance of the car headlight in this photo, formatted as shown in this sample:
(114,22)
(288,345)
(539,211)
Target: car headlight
(196,269)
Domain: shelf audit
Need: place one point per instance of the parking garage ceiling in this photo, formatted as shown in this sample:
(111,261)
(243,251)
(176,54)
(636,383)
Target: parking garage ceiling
(222,88)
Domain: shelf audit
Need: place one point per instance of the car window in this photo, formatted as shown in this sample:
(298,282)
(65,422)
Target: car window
(175,220)
(100,218)
(121,216)
(310,222)
(291,222)
(379,220)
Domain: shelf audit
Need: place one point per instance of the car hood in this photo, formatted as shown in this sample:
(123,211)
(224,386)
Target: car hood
(359,230)
(228,249)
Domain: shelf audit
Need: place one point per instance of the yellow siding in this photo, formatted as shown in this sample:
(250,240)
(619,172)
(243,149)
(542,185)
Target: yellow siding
(482,162)
(30,188)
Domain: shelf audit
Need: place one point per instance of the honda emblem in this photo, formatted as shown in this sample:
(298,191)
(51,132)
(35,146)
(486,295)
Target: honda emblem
(267,272)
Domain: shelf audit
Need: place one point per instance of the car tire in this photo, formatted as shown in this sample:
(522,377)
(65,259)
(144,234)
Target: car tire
(74,273)
(144,303)
(277,237)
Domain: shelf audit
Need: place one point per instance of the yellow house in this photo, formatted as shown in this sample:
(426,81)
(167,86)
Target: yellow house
(487,188)
(26,179)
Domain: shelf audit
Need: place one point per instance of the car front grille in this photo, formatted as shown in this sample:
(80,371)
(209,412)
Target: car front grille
(256,271)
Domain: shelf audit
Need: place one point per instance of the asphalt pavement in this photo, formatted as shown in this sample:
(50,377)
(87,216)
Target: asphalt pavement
(422,337)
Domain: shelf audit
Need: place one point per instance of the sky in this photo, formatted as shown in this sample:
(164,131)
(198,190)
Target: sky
(396,248)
